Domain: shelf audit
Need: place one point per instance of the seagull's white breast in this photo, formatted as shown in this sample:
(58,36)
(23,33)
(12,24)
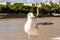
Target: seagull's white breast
(30,27)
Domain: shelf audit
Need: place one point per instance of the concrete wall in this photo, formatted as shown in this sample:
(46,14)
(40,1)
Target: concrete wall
(3,15)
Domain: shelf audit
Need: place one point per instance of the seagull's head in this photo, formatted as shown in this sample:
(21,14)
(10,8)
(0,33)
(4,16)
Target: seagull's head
(30,16)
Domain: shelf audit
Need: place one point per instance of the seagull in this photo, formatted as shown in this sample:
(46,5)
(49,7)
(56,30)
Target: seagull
(30,27)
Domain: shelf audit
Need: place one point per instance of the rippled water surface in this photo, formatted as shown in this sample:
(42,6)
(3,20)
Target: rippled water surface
(13,29)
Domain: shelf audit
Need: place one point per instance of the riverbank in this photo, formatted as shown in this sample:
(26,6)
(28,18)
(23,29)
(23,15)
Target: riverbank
(4,16)
(13,16)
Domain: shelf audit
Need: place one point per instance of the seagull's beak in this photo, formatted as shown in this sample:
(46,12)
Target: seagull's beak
(33,17)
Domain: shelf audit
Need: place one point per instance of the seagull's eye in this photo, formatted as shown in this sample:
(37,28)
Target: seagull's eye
(29,14)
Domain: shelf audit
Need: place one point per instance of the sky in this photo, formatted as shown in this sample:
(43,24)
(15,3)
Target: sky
(29,1)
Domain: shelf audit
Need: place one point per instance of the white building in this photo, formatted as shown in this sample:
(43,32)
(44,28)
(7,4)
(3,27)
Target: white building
(32,4)
(27,4)
(49,2)
(2,3)
(58,3)
(11,3)
(5,3)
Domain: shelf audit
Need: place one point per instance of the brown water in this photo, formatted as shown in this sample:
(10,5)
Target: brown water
(13,29)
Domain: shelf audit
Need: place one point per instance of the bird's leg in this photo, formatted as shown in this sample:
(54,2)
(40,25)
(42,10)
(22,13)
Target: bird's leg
(28,36)
(37,37)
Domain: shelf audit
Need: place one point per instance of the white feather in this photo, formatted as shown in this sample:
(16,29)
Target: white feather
(30,26)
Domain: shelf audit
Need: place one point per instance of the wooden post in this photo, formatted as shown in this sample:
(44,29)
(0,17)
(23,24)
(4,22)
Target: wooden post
(29,36)
(37,9)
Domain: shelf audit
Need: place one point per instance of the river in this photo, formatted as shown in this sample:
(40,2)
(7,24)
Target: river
(13,29)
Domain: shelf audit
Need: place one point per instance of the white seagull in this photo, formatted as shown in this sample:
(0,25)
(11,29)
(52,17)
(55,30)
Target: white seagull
(30,27)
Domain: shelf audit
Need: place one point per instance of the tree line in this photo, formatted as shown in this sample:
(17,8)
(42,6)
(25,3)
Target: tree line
(20,8)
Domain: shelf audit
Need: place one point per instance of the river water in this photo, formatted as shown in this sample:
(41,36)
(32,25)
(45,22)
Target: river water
(13,29)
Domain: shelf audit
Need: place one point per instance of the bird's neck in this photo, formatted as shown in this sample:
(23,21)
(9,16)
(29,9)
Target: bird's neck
(30,20)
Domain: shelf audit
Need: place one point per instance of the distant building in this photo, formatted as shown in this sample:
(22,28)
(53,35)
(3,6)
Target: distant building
(49,3)
(38,5)
(11,3)
(8,3)
(27,4)
(59,3)
(32,4)
(5,3)
(2,3)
